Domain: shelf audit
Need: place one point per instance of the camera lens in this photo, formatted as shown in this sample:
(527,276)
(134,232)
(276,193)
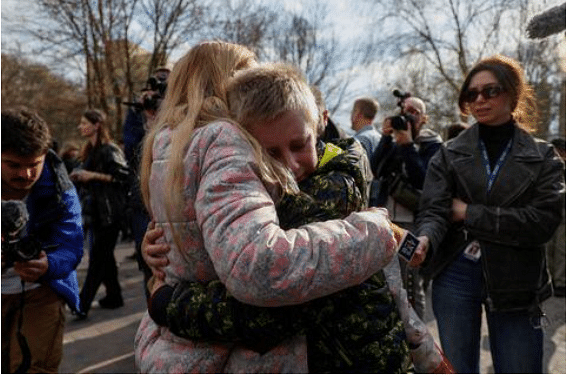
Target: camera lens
(399,123)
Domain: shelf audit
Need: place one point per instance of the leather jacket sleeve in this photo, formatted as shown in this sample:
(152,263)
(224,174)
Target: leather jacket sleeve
(527,219)
(110,197)
(115,164)
(435,203)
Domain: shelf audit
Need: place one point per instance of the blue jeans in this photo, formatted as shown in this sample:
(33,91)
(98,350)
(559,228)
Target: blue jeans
(516,339)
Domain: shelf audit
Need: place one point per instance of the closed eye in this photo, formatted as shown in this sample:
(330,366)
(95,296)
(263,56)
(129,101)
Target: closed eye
(300,145)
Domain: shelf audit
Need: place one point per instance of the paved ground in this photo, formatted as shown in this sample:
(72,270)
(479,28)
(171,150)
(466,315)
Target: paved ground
(104,342)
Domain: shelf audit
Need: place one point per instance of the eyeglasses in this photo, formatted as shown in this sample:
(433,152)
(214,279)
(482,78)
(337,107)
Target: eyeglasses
(487,92)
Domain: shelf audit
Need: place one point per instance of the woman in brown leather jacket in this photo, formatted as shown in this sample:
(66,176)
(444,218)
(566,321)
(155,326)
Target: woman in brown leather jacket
(491,200)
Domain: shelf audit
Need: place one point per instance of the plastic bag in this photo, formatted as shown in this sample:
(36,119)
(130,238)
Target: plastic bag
(427,356)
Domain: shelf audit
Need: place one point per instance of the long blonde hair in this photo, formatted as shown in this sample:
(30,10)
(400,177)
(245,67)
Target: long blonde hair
(196,96)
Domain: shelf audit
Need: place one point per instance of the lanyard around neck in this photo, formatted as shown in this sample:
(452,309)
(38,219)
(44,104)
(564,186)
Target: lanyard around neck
(492,175)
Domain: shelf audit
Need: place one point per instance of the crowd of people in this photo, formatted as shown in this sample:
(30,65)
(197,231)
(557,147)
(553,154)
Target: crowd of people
(272,241)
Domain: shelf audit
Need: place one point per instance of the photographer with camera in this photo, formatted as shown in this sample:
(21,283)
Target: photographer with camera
(141,113)
(42,244)
(399,164)
(139,116)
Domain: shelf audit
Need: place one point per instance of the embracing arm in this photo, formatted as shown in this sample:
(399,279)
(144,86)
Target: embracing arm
(208,312)
(260,263)
(434,213)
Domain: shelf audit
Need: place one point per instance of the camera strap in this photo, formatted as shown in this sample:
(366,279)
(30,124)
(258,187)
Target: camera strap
(22,341)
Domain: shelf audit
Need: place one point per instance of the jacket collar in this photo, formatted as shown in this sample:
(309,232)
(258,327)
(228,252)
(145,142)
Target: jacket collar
(524,146)
(514,176)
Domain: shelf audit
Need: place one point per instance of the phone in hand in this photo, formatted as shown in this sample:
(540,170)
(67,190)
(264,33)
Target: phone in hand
(408,246)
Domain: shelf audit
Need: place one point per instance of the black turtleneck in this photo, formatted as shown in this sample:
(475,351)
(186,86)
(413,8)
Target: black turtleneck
(495,138)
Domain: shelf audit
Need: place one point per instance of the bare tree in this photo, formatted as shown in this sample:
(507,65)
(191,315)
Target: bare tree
(173,23)
(99,35)
(443,38)
(308,41)
(449,35)
(547,74)
(243,22)
(91,29)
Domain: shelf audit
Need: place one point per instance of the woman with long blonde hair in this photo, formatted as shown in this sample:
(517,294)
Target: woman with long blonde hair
(210,186)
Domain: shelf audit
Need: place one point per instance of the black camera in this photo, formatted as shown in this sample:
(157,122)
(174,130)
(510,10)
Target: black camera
(16,247)
(400,122)
(151,102)
(157,88)
(156,84)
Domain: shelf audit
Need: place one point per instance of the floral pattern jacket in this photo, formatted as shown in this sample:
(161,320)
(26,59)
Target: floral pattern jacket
(230,231)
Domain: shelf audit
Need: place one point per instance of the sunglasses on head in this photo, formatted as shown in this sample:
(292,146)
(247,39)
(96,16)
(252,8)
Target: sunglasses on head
(488,93)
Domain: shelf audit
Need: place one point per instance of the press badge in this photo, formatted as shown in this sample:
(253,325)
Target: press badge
(472,251)
(408,246)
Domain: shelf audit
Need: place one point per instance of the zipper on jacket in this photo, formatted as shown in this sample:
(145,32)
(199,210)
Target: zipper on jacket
(109,209)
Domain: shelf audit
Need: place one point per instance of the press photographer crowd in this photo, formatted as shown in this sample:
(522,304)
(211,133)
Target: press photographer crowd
(271,241)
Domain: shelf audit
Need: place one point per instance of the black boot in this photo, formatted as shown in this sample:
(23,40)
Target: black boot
(111,302)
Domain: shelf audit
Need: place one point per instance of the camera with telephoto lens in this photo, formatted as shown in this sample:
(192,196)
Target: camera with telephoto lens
(400,122)
(156,84)
(151,102)
(152,96)
(16,246)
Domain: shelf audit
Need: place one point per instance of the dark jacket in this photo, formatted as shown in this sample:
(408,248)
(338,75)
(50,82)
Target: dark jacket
(332,132)
(133,135)
(411,161)
(55,221)
(512,222)
(107,201)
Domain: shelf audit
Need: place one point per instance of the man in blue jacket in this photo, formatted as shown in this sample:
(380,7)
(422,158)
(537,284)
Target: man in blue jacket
(34,291)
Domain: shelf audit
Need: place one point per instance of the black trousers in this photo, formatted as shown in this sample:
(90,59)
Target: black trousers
(102,266)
